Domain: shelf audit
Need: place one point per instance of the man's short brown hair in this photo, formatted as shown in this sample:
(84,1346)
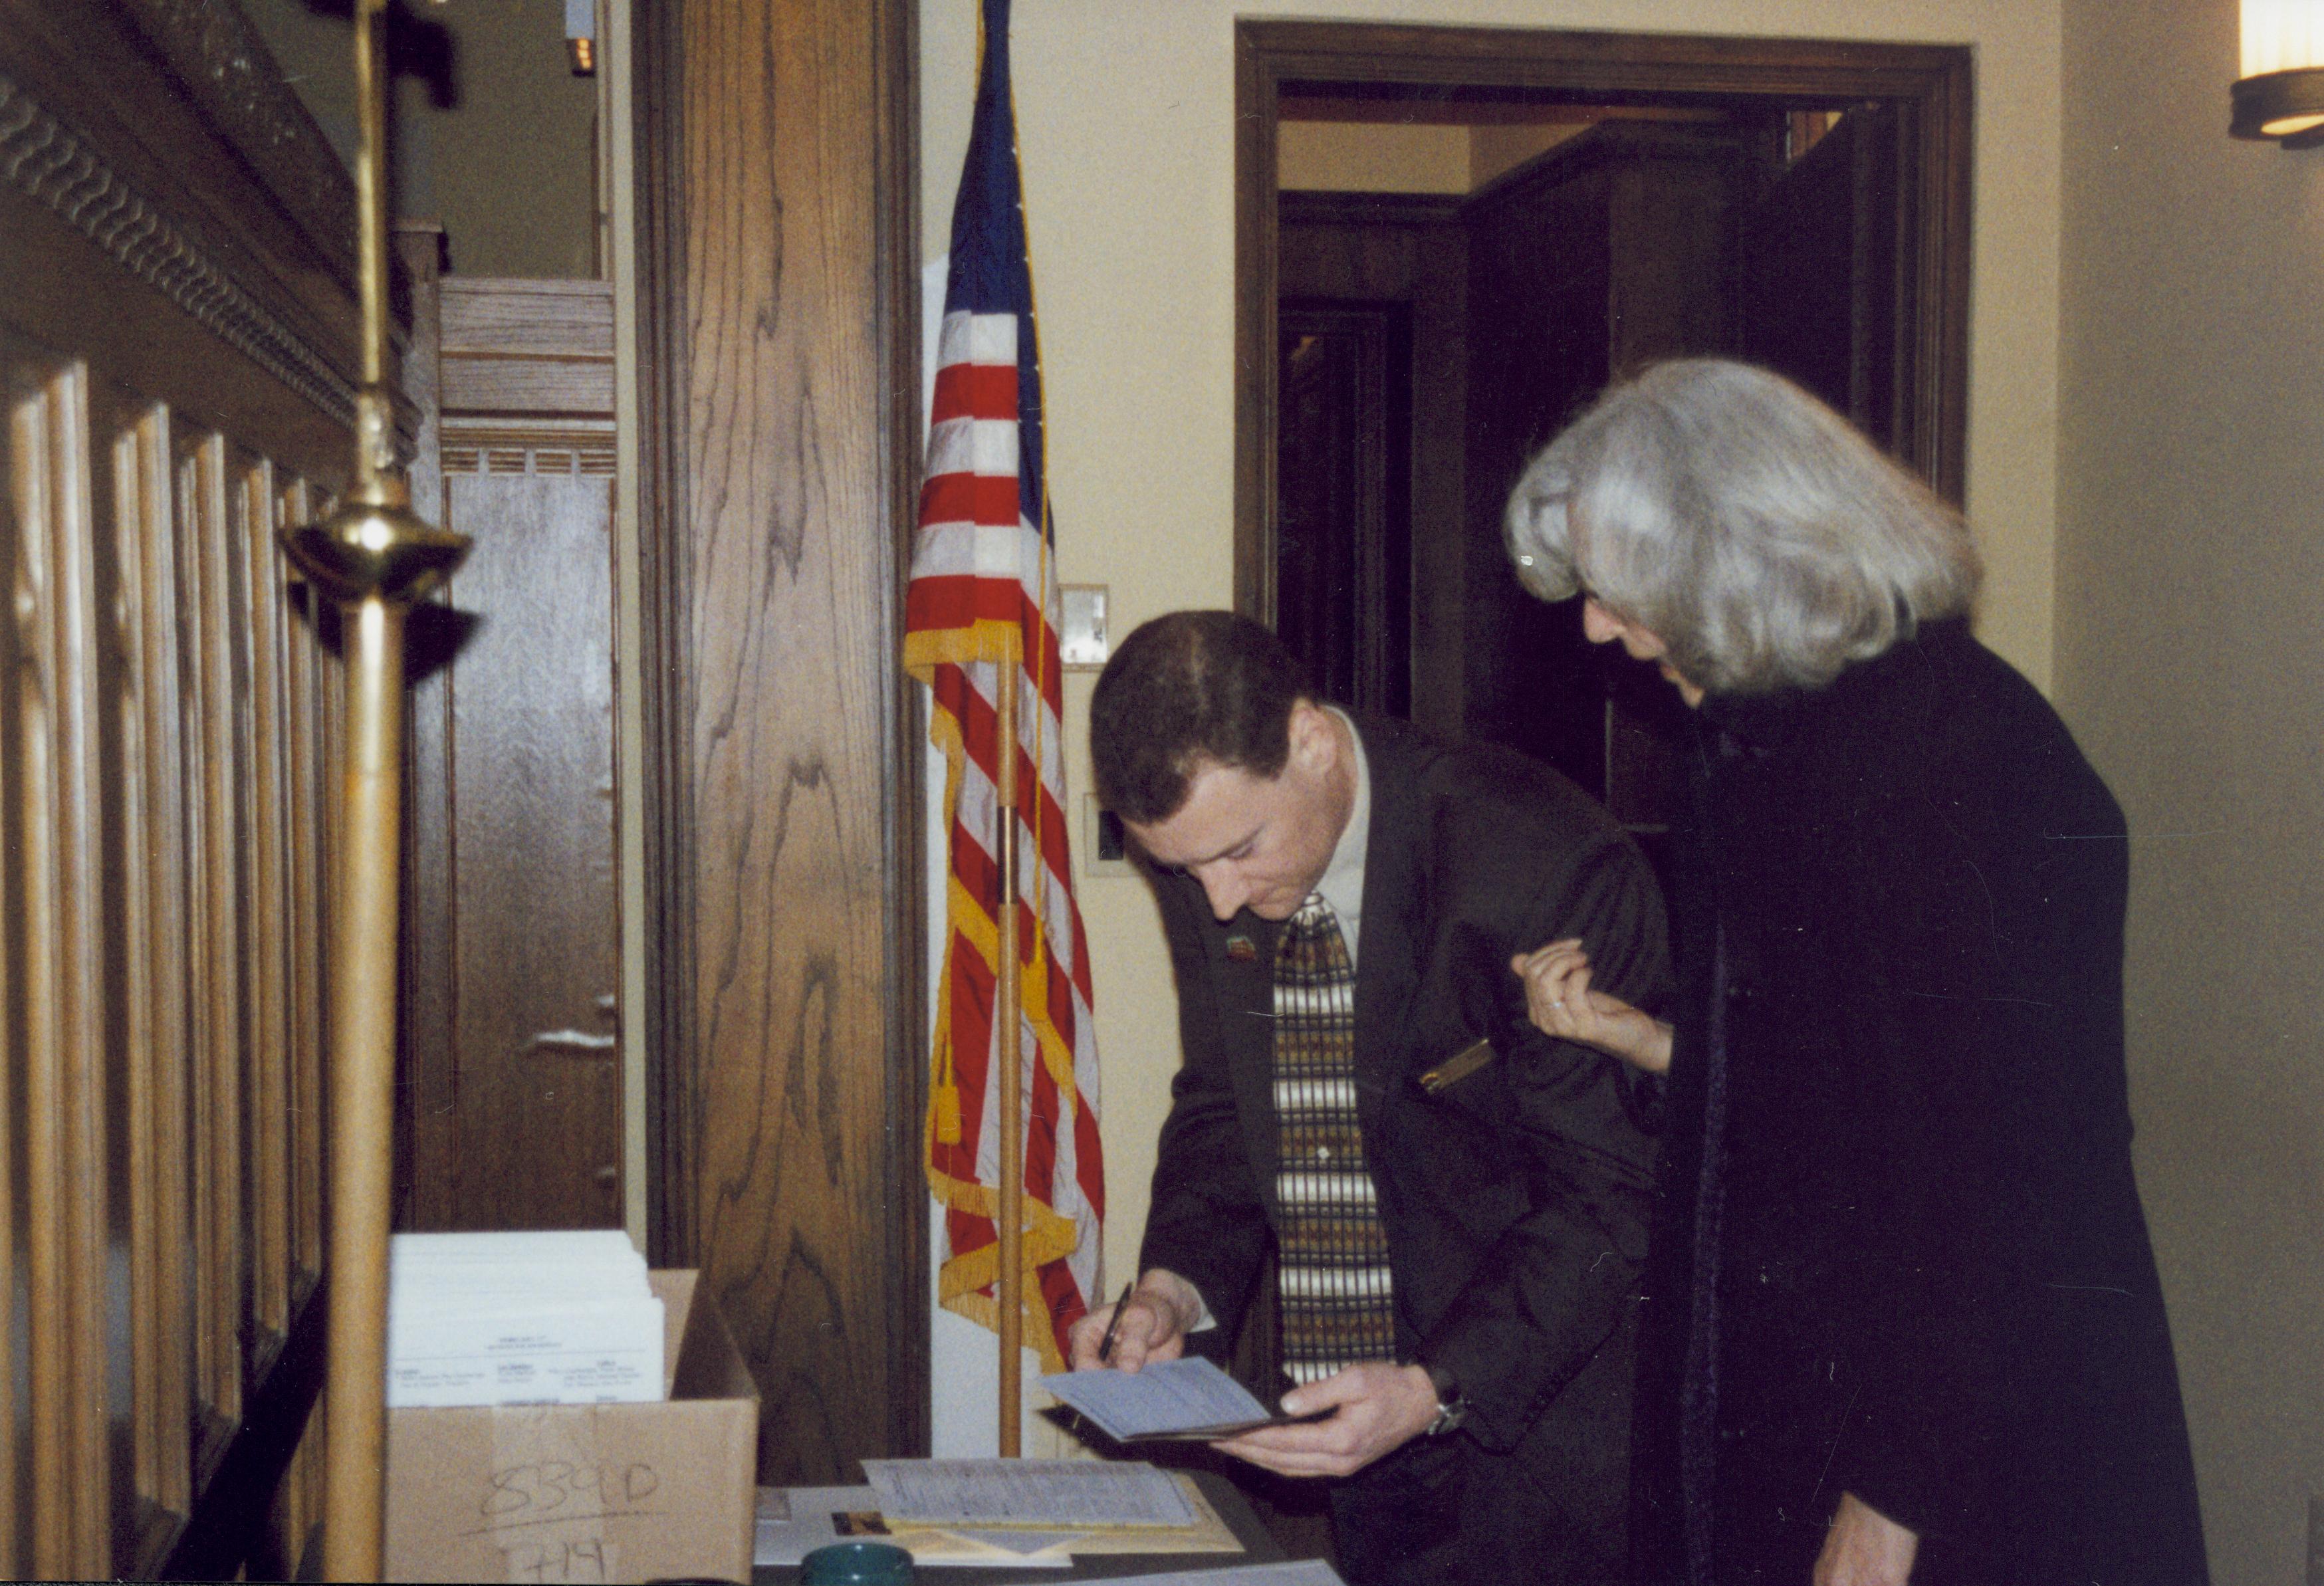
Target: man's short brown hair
(1186,690)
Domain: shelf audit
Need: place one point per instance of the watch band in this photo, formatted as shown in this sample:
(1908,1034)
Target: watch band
(1452,1405)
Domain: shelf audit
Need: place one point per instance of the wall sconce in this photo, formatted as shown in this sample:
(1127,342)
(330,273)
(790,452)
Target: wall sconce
(2281,94)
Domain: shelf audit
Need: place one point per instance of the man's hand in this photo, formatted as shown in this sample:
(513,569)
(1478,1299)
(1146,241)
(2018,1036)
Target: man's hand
(1560,1002)
(1865,1548)
(1155,1321)
(1379,1406)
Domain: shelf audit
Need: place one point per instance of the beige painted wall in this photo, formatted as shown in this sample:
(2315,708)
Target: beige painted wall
(2190,662)
(1364,158)
(1126,127)
(507,167)
(1367,157)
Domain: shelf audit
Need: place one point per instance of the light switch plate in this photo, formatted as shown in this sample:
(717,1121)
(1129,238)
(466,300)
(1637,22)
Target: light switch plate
(1103,845)
(1082,641)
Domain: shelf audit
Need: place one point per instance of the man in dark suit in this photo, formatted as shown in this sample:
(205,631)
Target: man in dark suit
(1457,1244)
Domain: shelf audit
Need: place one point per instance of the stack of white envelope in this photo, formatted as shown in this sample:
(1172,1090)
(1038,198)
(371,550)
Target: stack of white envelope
(561,1318)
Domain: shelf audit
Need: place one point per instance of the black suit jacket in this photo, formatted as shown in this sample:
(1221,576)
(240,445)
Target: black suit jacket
(1515,1202)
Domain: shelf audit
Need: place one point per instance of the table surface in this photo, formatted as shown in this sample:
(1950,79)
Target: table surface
(1232,1508)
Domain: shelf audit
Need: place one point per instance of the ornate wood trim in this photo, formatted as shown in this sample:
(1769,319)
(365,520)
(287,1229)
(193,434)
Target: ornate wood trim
(58,169)
(220,63)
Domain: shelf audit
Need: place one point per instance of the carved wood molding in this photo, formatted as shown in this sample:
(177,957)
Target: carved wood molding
(219,61)
(49,163)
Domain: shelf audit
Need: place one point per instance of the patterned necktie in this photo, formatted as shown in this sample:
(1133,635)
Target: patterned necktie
(1332,1273)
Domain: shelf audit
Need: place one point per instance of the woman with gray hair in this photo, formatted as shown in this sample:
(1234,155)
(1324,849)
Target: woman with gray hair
(1903,1318)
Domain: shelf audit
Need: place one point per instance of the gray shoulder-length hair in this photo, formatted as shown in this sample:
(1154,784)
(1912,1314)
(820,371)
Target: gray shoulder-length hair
(1743,523)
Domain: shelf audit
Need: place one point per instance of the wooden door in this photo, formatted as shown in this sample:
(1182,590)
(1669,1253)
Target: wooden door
(513,1062)
(1397,259)
(1609,252)
(1343,581)
(1819,271)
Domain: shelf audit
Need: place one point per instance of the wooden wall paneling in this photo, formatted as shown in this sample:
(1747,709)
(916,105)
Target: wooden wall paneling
(61,977)
(153,943)
(17,1459)
(426,1050)
(174,235)
(37,1323)
(541,347)
(259,642)
(221,1286)
(137,1527)
(111,1086)
(781,442)
(657,134)
(309,793)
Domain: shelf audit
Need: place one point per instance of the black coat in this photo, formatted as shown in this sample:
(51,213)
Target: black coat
(1934,1286)
(1515,1202)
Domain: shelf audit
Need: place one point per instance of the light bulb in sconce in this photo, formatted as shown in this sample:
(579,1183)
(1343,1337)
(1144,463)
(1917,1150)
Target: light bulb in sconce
(2280,95)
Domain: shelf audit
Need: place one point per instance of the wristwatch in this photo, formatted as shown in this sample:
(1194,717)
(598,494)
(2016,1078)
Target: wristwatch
(1451,1406)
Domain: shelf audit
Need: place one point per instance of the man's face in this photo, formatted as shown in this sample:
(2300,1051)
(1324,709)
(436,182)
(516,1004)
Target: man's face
(1261,843)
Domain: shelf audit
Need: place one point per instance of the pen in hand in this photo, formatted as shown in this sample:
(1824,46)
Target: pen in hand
(1114,1324)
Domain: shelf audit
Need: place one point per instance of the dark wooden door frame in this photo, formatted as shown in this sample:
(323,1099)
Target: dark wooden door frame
(1931,83)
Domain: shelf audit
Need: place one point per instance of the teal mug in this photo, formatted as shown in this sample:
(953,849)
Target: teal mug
(856,1563)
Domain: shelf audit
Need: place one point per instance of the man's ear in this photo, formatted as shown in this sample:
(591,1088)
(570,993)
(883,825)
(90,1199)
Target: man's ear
(1313,745)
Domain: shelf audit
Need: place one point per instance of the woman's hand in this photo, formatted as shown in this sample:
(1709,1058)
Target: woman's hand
(1865,1548)
(1560,1002)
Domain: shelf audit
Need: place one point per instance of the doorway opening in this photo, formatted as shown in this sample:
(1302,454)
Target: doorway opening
(1448,239)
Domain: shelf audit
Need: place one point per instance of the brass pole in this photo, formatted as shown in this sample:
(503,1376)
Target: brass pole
(1007,1051)
(363,1096)
(376,557)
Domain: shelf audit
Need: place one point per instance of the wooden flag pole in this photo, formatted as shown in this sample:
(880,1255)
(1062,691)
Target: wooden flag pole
(1008,1050)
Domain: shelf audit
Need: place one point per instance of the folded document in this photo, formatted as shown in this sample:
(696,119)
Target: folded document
(1188,1397)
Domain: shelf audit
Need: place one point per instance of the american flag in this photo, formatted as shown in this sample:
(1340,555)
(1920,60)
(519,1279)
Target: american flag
(983,597)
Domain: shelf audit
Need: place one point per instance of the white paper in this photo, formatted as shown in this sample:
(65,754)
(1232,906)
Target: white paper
(1313,1571)
(527,1317)
(1023,1542)
(1169,1396)
(799,1521)
(1059,1494)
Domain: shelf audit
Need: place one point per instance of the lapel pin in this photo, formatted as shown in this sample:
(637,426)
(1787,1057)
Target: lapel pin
(1241,949)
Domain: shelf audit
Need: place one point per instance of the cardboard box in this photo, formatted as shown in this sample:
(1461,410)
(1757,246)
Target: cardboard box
(586,1492)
